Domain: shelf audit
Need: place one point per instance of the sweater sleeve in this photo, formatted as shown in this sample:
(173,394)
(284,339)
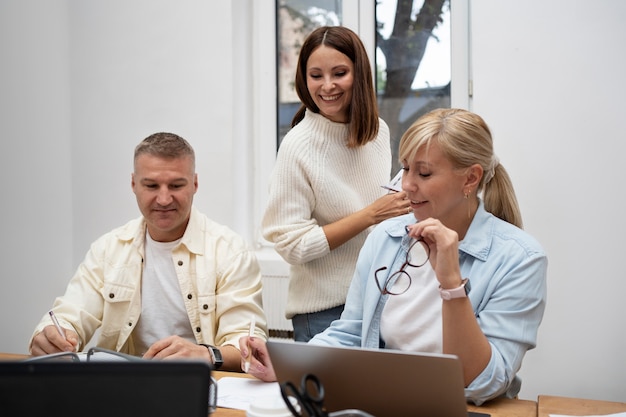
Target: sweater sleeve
(288,222)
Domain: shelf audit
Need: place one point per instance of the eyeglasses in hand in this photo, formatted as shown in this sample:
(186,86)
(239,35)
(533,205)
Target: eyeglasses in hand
(417,254)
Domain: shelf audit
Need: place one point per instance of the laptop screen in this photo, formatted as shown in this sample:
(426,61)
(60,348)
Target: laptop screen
(107,389)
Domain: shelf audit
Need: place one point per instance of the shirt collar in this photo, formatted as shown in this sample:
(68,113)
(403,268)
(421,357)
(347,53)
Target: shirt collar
(192,238)
(477,241)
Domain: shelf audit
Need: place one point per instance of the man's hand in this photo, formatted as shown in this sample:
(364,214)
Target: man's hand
(175,347)
(49,341)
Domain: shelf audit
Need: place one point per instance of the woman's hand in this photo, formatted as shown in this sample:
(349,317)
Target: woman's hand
(444,250)
(254,351)
(390,205)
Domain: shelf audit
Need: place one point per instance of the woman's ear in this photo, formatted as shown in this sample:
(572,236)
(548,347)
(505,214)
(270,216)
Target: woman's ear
(473,176)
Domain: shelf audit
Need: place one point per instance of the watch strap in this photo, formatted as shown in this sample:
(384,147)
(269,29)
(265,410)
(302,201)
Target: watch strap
(216,355)
(458,292)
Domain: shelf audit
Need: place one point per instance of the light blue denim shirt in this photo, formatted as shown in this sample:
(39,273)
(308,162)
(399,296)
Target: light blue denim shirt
(507,269)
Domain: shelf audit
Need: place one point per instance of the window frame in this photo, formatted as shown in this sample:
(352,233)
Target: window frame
(359,16)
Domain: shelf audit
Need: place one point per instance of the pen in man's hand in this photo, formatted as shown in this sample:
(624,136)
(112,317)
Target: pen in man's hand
(246,366)
(57,325)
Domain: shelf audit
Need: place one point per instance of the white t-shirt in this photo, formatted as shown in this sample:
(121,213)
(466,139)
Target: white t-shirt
(412,321)
(163,310)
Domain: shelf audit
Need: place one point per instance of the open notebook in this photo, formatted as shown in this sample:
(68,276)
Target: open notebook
(383,383)
(104,388)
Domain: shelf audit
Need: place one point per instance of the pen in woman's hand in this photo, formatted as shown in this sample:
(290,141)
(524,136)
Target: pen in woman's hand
(57,325)
(246,366)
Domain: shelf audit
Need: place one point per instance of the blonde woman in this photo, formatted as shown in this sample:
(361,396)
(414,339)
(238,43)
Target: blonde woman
(456,276)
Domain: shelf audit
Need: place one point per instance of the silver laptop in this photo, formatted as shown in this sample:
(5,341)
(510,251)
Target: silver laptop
(384,383)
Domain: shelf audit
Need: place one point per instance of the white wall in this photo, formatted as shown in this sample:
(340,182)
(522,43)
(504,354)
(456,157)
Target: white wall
(82,81)
(549,79)
(35,165)
(139,67)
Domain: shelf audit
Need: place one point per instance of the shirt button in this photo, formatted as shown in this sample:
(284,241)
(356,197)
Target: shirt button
(205,306)
(189,296)
(180,263)
(197,329)
(111,295)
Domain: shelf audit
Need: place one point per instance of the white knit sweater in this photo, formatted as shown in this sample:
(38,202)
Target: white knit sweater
(318,180)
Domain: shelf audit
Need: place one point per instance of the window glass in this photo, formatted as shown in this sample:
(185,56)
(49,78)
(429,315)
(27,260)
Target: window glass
(412,57)
(295,20)
(412,62)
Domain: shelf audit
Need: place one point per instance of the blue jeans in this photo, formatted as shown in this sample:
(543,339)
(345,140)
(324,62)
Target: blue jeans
(307,325)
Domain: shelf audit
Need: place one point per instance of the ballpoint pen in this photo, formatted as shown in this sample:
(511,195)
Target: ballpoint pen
(395,184)
(246,366)
(56,324)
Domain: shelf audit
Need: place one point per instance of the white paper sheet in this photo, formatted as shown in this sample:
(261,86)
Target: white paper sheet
(238,393)
(603,415)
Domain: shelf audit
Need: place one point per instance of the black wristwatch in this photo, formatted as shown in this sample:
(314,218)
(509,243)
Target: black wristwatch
(216,356)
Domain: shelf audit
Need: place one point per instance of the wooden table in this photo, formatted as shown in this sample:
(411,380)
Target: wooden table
(548,404)
(496,408)
(507,408)
(12,356)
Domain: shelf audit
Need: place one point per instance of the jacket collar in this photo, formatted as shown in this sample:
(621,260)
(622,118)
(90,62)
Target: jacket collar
(135,232)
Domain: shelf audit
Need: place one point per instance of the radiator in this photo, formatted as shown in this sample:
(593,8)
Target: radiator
(275,278)
(274,302)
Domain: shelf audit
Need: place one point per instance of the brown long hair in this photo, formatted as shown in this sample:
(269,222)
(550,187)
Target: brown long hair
(363,111)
